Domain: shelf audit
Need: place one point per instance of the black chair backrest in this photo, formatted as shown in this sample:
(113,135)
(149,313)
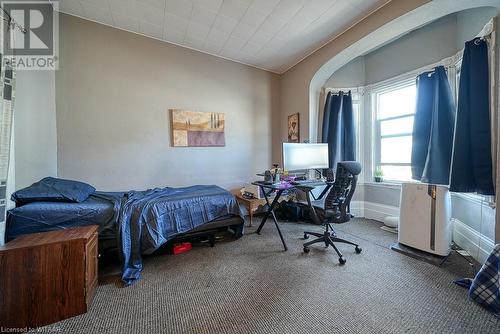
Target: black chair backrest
(340,195)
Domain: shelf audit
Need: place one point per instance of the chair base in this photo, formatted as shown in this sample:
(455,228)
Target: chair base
(329,238)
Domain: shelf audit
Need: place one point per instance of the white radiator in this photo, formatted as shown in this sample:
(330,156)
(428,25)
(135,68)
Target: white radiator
(425,218)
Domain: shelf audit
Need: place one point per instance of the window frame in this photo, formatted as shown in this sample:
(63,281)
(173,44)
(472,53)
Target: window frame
(377,137)
(357,98)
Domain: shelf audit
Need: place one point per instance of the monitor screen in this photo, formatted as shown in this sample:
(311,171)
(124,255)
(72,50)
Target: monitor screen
(304,156)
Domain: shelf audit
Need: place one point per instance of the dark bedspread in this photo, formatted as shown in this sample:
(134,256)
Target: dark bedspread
(143,220)
(99,209)
(148,219)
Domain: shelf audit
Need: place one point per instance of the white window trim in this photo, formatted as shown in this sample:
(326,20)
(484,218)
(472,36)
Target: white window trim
(376,137)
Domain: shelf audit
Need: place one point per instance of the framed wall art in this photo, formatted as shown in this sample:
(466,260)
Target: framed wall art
(197,129)
(293,128)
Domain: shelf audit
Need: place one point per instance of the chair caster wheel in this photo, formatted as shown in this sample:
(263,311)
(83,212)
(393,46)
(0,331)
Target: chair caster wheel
(306,236)
(358,249)
(306,250)
(342,260)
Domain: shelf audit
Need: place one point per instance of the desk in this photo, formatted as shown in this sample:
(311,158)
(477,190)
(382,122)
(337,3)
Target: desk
(267,189)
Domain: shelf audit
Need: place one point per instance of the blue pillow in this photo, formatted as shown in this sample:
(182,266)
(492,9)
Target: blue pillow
(51,189)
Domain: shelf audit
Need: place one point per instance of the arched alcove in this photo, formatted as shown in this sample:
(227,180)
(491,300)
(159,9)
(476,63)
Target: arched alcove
(385,34)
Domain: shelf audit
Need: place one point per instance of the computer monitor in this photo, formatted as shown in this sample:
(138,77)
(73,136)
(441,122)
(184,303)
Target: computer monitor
(304,156)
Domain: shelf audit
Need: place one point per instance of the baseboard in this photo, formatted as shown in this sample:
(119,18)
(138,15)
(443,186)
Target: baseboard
(357,208)
(476,244)
(375,211)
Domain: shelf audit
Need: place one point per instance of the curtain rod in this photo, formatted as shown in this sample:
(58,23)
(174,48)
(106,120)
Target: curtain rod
(335,90)
(487,29)
(410,75)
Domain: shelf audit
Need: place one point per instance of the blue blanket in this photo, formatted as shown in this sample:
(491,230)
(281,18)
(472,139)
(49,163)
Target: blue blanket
(148,219)
(485,287)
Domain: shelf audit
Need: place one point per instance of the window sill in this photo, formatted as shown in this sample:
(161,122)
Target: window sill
(478,199)
(385,184)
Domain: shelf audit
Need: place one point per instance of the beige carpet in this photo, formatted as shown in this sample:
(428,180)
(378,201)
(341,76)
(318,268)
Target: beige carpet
(252,286)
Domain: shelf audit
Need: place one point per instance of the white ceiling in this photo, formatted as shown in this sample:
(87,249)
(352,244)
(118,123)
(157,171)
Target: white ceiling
(268,34)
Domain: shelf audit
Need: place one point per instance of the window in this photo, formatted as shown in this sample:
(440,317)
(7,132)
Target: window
(356,110)
(394,115)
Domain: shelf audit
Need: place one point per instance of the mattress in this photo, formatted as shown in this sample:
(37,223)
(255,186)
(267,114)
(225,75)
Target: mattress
(98,209)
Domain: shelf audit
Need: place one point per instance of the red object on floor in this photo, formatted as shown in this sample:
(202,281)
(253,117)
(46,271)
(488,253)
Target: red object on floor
(182,248)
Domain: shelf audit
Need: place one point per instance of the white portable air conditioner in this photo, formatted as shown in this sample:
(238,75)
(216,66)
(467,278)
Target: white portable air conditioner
(425,218)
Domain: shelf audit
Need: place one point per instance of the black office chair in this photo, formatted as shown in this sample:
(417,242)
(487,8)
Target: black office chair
(336,207)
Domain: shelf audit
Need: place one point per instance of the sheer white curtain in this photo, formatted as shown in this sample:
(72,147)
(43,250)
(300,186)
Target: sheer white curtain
(489,33)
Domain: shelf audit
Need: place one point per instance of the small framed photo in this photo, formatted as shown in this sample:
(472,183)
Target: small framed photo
(293,128)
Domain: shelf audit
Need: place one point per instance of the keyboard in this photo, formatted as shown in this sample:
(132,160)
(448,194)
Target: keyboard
(306,182)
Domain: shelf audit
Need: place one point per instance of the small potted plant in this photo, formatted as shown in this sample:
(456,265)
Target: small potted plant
(378,175)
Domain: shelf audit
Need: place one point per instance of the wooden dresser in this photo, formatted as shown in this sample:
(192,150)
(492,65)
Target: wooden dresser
(47,277)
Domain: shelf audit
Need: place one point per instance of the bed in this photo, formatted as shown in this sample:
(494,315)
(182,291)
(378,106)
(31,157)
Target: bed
(98,209)
(135,222)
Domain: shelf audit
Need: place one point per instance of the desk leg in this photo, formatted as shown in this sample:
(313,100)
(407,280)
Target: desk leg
(312,210)
(270,208)
(270,211)
(250,213)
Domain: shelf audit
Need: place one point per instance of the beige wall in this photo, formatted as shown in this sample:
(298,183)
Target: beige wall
(35,139)
(114,90)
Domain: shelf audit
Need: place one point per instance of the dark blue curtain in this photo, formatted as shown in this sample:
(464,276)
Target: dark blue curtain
(433,128)
(338,128)
(471,169)
(326,118)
